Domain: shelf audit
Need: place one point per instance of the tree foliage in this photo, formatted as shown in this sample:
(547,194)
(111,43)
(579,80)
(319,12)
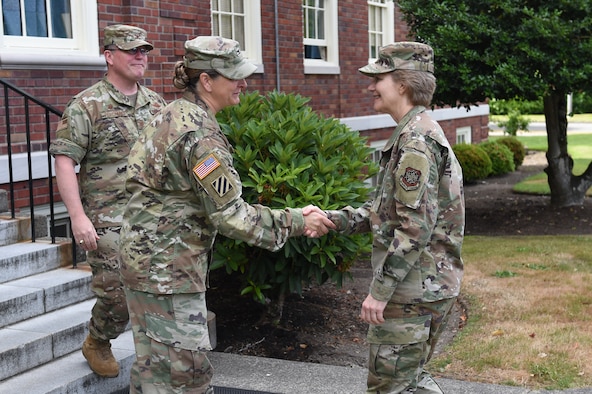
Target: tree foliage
(504,49)
(508,49)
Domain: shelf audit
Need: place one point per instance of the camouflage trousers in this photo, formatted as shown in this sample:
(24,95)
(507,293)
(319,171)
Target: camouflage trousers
(403,344)
(171,339)
(109,315)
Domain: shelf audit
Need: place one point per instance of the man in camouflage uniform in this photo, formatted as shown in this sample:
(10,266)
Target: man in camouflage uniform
(417,221)
(97,130)
(184,191)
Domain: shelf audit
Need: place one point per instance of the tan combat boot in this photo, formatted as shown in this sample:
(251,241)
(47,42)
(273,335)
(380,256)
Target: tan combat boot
(100,358)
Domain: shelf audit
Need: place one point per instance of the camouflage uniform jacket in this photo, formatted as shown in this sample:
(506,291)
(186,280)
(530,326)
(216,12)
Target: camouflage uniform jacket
(417,217)
(184,190)
(97,131)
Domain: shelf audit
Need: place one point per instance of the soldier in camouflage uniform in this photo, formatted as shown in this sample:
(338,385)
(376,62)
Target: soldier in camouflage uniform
(417,221)
(184,190)
(97,131)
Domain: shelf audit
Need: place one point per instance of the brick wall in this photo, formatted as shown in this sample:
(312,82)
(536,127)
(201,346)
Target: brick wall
(169,24)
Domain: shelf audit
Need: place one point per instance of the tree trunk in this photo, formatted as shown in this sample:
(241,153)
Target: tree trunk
(566,188)
(274,310)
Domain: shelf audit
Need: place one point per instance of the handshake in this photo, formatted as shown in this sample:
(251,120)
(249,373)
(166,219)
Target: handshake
(316,222)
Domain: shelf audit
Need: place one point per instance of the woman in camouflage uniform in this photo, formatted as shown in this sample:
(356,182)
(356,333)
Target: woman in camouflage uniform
(184,191)
(417,221)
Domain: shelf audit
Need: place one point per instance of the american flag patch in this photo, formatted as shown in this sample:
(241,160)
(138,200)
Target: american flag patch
(206,167)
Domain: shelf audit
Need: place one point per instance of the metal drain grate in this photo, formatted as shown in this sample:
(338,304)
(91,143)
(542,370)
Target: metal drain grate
(230,390)
(217,390)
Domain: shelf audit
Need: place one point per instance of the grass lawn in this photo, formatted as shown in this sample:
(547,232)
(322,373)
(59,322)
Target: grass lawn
(530,300)
(530,315)
(579,147)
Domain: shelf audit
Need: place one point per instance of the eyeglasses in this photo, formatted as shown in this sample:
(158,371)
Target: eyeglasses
(133,51)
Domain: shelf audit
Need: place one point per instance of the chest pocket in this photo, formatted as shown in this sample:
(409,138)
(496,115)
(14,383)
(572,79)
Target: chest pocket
(111,138)
(384,191)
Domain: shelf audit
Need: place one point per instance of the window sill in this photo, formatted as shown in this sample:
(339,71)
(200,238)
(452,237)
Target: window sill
(327,68)
(72,61)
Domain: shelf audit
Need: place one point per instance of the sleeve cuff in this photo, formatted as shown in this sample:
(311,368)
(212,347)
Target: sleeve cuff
(297,227)
(383,290)
(338,218)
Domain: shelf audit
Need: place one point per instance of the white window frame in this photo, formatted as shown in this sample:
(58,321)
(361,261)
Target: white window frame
(76,53)
(464,135)
(330,65)
(252,21)
(385,9)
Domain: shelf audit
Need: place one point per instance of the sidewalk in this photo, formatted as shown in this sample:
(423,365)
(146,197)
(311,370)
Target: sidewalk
(539,128)
(247,374)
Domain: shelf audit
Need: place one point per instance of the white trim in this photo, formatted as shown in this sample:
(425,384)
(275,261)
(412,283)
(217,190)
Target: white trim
(388,22)
(372,122)
(465,132)
(20,167)
(331,64)
(315,66)
(82,51)
(64,61)
(252,32)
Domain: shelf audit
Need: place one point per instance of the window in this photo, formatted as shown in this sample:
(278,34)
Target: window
(463,135)
(49,34)
(381,25)
(37,22)
(321,51)
(240,20)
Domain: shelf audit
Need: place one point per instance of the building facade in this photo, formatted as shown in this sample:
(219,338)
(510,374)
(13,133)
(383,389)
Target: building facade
(52,50)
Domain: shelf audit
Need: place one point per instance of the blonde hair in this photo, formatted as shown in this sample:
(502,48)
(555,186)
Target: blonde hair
(420,85)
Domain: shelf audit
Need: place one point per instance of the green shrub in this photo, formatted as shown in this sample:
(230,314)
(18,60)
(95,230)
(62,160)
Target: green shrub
(516,147)
(289,156)
(514,123)
(474,161)
(505,107)
(502,159)
(582,103)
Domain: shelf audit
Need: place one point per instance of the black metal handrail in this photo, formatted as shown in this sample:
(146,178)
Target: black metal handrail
(48,110)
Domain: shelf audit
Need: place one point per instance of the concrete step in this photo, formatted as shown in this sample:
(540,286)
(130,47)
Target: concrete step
(71,375)
(23,259)
(45,292)
(34,342)
(14,230)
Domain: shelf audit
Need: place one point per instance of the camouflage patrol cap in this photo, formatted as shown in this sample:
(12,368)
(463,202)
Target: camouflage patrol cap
(401,56)
(126,37)
(217,53)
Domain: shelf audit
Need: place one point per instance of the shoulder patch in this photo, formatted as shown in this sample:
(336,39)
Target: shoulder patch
(411,177)
(206,166)
(217,180)
(222,185)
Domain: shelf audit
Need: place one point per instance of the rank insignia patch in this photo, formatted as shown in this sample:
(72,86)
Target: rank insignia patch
(206,167)
(410,179)
(222,185)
